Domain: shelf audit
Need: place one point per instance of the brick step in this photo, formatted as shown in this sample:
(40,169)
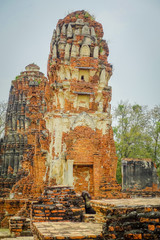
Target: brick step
(66,201)
(63,187)
(58,189)
(27,233)
(67,211)
(57,206)
(52,204)
(144,194)
(45,206)
(58,197)
(55,195)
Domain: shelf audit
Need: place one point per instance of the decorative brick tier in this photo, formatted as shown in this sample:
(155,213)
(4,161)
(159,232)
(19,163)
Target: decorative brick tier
(58,203)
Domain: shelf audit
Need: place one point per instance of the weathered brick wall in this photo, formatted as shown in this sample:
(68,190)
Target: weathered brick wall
(87,148)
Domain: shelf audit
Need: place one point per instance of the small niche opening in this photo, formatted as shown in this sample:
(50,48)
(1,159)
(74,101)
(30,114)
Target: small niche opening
(84,75)
(82,78)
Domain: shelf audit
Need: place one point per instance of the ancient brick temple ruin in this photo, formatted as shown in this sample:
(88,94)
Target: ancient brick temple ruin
(58,143)
(58,130)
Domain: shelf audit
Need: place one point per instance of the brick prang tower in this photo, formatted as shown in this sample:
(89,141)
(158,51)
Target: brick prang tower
(78,115)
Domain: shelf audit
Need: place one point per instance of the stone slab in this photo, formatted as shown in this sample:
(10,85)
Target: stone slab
(133,202)
(4,233)
(67,230)
(19,238)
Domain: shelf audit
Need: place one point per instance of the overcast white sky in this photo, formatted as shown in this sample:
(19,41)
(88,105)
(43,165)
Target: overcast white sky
(131,28)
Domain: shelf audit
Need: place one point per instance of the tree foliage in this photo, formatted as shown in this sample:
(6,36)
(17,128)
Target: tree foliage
(3,108)
(136,132)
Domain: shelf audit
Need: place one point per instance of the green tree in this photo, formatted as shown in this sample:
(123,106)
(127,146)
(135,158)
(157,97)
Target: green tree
(3,108)
(154,132)
(136,132)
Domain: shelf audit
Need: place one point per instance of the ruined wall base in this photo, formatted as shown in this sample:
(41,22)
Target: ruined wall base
(129,218)
(58,203)
(20,226)
(142,193)
(9,208)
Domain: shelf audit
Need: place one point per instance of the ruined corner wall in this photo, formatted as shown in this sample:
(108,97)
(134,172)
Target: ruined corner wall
(139,175)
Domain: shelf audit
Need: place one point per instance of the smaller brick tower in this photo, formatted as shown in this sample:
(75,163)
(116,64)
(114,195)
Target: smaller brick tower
(26,107)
